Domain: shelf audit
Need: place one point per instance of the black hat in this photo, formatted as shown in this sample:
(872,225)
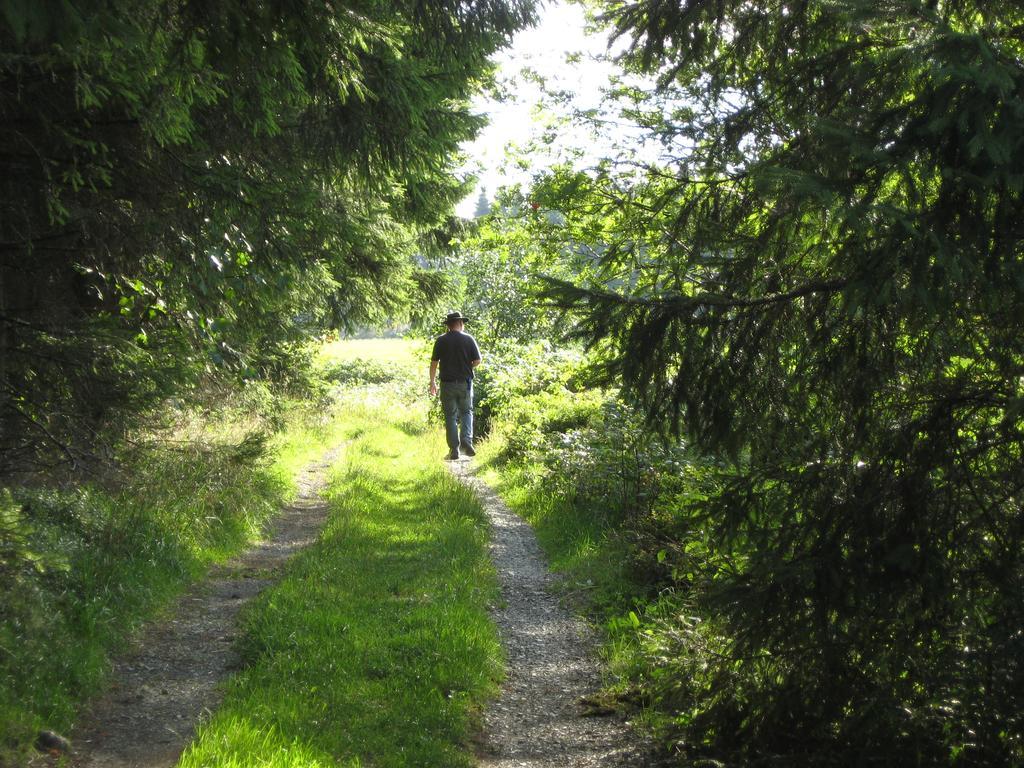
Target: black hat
(455,316)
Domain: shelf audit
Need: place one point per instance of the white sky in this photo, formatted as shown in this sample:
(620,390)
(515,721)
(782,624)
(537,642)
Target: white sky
(542,49)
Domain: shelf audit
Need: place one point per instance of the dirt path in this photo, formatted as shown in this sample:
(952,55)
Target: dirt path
(170,679)
(538,719)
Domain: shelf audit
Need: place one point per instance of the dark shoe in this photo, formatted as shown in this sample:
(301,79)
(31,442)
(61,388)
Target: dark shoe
(453,455)
(468,449)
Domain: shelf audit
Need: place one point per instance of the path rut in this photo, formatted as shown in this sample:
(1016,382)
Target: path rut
(538,720)
(170,679)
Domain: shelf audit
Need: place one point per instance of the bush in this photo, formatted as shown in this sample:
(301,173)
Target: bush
(511,374)
(359,372)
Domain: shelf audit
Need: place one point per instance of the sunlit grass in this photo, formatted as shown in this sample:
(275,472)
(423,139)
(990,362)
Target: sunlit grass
(397,351)
(307,437)
(193,496)
(388,370)
(591,555)
(418,657)
(577,541)
(376,648)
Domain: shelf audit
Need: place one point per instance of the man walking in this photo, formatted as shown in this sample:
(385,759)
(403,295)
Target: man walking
(456,354)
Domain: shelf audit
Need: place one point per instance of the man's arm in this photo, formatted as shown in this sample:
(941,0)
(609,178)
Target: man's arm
(476,362)
(433,377)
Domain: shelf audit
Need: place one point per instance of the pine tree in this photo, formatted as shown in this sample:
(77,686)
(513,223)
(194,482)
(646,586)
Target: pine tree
(189,189)
(483,206)
(823,290)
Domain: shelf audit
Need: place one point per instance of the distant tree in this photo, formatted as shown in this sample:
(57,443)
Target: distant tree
(483,205)
(189,188)
(492,266)
(823,286)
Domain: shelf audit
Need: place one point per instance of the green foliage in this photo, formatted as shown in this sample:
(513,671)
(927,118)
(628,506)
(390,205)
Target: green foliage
(356,372)
(580,445)
(492,272)
(188,190)
(20,558)
(608,501)
(820,286)
(515,372)
(377,369)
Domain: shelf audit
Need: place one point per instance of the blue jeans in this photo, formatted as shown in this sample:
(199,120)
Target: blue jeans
(457,404)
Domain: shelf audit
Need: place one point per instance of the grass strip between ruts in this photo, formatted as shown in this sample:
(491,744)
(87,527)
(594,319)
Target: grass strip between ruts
(376,647)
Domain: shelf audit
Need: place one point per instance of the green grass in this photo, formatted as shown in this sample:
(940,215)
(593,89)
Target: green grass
(394,351)
(589,552)
(376,647)
(386,369)
(578,542)
(111,559)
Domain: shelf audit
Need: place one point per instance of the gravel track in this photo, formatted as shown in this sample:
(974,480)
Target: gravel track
(170,678)
(539,719)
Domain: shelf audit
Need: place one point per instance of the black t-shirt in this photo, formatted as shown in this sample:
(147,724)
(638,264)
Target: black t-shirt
(455,351)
